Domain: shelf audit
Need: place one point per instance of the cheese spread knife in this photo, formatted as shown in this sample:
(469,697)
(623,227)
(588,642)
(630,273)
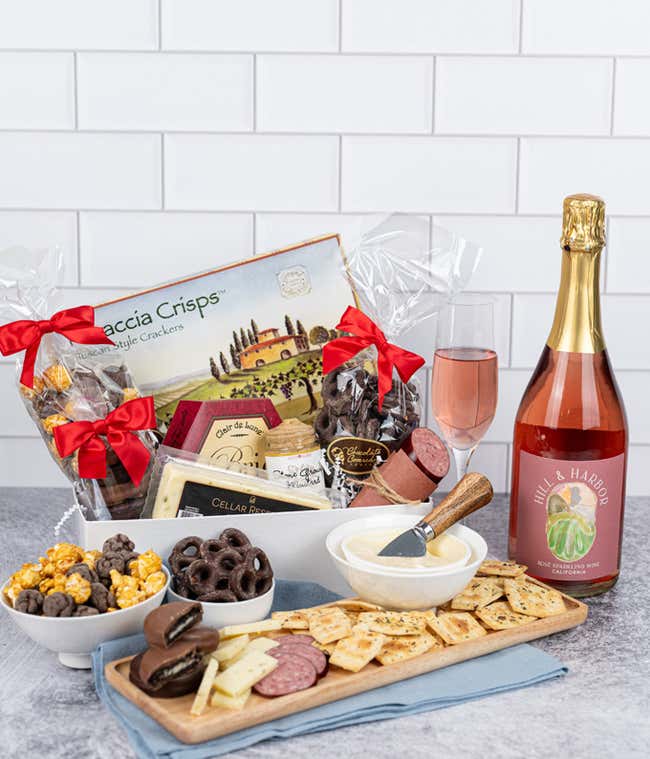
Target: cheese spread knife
(469,495)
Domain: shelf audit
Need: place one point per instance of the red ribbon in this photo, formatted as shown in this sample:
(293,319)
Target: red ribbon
(77,324)
(364,332)
(119,429)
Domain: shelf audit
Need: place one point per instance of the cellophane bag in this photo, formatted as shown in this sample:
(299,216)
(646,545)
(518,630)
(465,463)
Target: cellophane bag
(68,386)
(403,271)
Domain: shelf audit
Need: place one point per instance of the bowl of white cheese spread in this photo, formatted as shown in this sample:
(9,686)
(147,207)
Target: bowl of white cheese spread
(398,585)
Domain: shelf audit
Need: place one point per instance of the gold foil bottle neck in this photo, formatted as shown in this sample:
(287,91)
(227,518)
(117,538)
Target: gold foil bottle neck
(583,222)
(576,326)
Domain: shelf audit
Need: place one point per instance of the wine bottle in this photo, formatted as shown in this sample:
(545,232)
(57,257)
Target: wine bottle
(570,437)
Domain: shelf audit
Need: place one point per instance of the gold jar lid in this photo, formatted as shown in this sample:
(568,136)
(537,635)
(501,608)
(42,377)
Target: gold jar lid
(290,435)
(583,222)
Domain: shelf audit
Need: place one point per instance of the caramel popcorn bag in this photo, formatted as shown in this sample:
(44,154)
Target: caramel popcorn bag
(61,382)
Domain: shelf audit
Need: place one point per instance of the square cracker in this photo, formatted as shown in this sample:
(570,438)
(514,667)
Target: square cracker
(392,622)
(357,650)
(456,627)
(292,620)
(402,647)
(501,568)
(533,600)
(356,605)
(478,593)
(329,624)
(499,616)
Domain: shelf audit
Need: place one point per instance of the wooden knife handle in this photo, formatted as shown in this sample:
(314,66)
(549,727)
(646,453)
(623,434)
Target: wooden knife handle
(470,494)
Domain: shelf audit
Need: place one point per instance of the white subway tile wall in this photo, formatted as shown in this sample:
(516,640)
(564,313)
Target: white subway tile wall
(148,139)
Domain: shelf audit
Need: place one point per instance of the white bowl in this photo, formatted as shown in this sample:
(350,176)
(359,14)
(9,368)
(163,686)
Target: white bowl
(401,591)
(352,558)
(75,638)
(233,613)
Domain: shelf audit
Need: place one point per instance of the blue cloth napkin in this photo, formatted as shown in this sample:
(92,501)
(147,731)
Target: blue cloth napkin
(511,668)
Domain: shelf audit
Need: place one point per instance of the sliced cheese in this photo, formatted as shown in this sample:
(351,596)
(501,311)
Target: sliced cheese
(266,625)
(228,649)
(262,644)
(249,670)
(203,693)
(230,702)
(176,474)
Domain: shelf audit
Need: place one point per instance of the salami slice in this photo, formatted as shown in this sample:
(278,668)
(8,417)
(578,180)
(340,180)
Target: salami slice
(293,673)
(316,657)
(298,638)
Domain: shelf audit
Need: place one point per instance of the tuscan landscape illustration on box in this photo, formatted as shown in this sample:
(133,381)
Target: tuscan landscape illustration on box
(254,330)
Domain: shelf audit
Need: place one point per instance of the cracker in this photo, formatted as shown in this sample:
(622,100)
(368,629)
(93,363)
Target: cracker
(399,648)
(329,624)
(499,616)
(292,620)
(478,593)
(327,648)
(392,622)
(357,650)
(501,568)
(356,604)
(456,627)
(533,600)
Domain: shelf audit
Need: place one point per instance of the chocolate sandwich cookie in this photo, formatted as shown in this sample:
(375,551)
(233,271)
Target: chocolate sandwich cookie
(180,685)
(161,666)
(166,624)
(206,639)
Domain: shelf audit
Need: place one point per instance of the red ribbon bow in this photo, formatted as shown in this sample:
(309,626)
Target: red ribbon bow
(118,427)
(77,324)
(364,332)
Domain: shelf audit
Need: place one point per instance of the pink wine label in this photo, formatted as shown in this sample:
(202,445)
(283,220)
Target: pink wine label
(569,516)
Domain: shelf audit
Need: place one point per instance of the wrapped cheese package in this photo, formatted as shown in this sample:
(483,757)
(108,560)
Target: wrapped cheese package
(186,485)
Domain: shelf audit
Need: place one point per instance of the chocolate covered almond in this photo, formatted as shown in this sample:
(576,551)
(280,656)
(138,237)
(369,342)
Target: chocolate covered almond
(167,623)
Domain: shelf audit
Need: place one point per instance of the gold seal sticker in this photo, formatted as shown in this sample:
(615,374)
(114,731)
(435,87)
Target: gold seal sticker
(356,455)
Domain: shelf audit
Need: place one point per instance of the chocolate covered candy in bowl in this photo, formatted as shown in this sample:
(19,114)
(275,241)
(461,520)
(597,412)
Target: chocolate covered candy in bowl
(72,599)
(230,577)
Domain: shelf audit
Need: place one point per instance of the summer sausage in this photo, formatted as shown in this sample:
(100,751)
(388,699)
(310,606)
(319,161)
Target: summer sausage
(309,652)
(293,673)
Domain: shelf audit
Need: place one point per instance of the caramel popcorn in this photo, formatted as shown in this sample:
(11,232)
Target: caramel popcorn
(13,590)
(64,555)
(77,587)
(29,575)
(57,377)
(54,584)
(129,393)
(36,389)
(90,557)
(47,567)
(155,582)
(52,421)
(146,564)
(125,589)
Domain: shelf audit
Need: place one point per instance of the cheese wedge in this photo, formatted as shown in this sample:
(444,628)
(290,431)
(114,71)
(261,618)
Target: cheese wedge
(266,625)
(249,670)
(220,699)
(228,649)
(203,693)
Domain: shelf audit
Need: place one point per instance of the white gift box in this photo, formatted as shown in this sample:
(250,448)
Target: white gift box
(293,540)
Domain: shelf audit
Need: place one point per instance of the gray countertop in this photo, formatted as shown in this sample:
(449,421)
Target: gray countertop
(600,709)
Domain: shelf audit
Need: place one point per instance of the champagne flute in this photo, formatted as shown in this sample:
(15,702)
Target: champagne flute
(465,377)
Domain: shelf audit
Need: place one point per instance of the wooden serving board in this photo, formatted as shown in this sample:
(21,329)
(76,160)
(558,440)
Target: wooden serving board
(174,713)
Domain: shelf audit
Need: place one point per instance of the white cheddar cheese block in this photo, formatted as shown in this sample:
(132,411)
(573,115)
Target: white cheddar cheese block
(230,702)
(249,670)
(266,625)
(203,693)
(228,649)
(262,644)
(234,490)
